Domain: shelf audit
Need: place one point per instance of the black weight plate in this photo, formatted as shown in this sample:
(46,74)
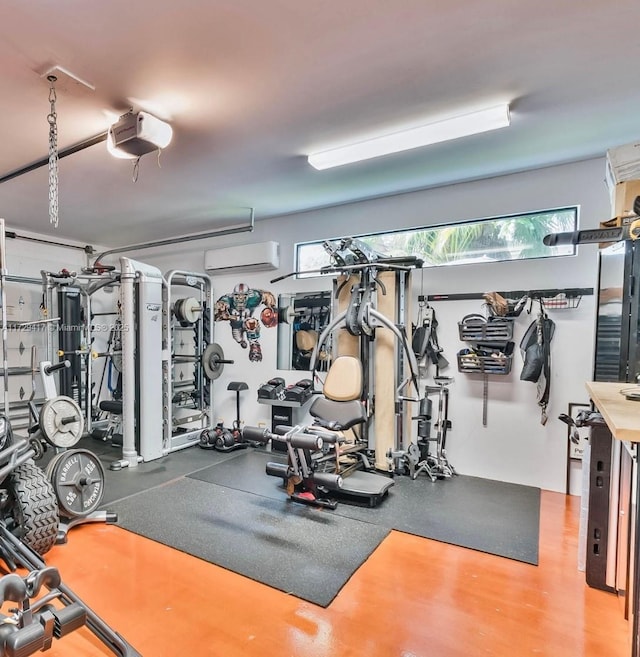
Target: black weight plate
(211,361)
(52,464)
(77,477)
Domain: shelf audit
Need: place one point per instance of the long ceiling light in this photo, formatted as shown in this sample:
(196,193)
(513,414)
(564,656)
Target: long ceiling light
(473,123)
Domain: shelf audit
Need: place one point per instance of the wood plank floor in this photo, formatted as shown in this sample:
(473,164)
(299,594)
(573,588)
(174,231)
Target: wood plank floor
(412,598)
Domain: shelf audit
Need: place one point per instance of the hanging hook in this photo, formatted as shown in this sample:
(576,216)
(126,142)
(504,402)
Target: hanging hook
(51,118)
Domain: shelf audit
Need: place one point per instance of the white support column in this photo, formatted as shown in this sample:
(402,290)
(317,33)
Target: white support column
(127,280)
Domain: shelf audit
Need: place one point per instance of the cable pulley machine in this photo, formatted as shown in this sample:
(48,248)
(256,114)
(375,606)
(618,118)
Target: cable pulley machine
(372,292)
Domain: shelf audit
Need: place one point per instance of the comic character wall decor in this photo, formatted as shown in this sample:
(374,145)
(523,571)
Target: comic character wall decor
(237,308)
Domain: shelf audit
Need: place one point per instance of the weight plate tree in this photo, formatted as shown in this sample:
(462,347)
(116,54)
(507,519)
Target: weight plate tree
(77,477)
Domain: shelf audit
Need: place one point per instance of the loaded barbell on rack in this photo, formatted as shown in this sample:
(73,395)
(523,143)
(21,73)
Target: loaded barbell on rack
(60,421)
(213,361)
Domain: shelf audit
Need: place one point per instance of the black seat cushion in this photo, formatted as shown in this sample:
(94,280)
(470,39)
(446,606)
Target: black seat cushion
(345,413)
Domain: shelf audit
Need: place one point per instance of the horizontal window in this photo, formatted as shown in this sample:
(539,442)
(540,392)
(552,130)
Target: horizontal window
(514,237)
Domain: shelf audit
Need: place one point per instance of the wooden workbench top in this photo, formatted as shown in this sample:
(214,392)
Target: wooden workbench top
(621,415)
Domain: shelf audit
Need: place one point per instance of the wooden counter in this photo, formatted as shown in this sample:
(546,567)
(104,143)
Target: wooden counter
(621,415)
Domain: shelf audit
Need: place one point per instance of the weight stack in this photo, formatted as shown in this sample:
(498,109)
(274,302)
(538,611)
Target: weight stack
(70,342)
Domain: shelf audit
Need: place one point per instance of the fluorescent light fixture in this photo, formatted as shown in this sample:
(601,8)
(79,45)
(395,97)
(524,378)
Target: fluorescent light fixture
(135,134)
(473,123)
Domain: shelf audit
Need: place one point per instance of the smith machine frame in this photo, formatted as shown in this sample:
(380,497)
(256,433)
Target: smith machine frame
(159,349)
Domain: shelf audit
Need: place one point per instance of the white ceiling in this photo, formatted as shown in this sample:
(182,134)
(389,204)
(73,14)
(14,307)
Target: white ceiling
(251,86)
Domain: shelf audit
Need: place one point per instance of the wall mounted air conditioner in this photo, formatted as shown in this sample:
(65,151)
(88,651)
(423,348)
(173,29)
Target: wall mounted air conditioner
(262,256)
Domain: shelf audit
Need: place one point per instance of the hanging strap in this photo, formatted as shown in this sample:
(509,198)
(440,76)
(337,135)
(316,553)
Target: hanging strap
(544,383)
(485,398)
(433,347)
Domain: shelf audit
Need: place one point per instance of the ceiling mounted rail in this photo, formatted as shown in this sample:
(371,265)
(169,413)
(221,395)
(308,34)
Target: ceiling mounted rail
(87,143)
(87,248)
(246,228)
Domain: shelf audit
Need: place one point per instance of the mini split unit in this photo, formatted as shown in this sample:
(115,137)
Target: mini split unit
(262,256)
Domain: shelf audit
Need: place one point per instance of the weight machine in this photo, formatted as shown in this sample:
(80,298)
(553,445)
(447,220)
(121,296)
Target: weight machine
(141,302)
(190,360)
(159,345)
(167,358)
(70,297)
(371,298)
(303,480)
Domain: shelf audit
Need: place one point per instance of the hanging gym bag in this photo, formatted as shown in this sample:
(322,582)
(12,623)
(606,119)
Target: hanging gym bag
(532,353)
(536,353)
(535,347)
(544,382)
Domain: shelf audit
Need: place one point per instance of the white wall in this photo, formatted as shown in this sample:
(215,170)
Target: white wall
(514,446)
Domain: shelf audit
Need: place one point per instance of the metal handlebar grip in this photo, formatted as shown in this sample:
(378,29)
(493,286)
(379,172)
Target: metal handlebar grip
(63,364)
(559,239)
(12,588)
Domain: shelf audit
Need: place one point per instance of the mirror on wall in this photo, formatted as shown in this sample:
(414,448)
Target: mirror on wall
(302,318)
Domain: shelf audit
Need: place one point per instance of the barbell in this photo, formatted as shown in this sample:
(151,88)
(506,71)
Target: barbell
(213,361)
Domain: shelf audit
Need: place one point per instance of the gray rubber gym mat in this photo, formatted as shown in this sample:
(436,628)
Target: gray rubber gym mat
(307,552)
(247,473)
(481,514)
(129,481)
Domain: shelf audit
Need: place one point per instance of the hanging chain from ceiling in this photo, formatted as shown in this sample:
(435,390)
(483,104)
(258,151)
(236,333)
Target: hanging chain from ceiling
(52,118)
